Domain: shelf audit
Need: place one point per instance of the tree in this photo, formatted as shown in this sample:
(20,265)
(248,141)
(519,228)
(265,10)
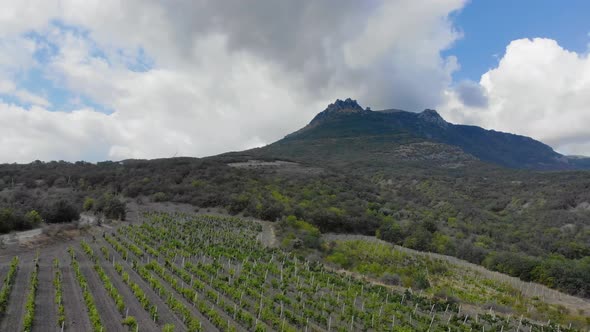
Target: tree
(61,212)
(390,231)
(7,220)
(112,207)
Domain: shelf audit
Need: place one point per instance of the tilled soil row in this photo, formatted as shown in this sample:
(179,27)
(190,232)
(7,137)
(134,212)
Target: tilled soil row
(75,308)
(3,270)
(164,313)
(206,324)
(14,318)
(238,324)
(145,322)
(110,317)
(45,307)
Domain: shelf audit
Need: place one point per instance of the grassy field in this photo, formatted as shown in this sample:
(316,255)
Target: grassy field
(455,280)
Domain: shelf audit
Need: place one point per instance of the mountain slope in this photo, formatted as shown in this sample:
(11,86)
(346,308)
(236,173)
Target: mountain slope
(345,132)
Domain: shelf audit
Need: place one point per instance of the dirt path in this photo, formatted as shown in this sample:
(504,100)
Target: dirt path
(17,237)
(13,320)
(110,317)
(45,308)
(145,322)
(76,314)
(268,237)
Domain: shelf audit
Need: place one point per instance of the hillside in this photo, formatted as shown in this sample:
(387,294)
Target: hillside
(345,132)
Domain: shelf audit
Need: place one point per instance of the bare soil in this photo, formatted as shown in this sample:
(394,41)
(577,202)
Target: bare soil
(164,313)
(13,320)
(268,237)
(3,271)
(110,317)
(145,322)
(45,307)
(75,308)
(206,324)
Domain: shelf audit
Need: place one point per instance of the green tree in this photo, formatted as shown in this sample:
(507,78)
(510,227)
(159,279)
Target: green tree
(112,207)
(7,220)
(390,231)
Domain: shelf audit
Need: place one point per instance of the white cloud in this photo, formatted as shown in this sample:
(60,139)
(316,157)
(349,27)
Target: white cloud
(221,76)
(538,89)
(36,133)
(9,88)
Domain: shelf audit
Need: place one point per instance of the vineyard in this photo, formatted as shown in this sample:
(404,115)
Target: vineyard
(179,272)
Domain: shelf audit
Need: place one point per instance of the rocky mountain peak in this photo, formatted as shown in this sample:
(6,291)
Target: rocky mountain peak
(339,107)
(432,116)
(348,104)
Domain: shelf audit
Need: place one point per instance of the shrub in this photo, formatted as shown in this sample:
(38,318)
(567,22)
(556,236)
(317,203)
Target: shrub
(421,282)
(112,207)
(168,328)
(33,218)
(391,279)
(130,322)
(61,212)
(88,204)
(160,197)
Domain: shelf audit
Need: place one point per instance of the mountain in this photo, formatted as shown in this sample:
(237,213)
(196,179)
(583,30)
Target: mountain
(346,133)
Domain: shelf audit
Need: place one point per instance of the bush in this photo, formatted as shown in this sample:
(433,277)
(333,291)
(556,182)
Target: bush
(61,212)
(131,322)
(303,233)
(391,231)
(160,197)
(112,207)
(88,204)
(421,282)
(168,328)
(33,218)
(391,279)
(7,220)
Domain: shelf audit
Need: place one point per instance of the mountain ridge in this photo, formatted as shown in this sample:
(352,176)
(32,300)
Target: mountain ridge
(346,119)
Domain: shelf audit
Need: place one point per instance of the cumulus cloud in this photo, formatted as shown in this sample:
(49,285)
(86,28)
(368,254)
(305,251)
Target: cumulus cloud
(471,94)
(204,77)
(36,133)
(538,89)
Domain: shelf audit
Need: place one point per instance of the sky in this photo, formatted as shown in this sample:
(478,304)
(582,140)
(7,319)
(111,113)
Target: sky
(111,79)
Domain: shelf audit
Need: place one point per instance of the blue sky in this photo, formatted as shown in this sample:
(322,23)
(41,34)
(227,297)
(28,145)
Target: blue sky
(488,26)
